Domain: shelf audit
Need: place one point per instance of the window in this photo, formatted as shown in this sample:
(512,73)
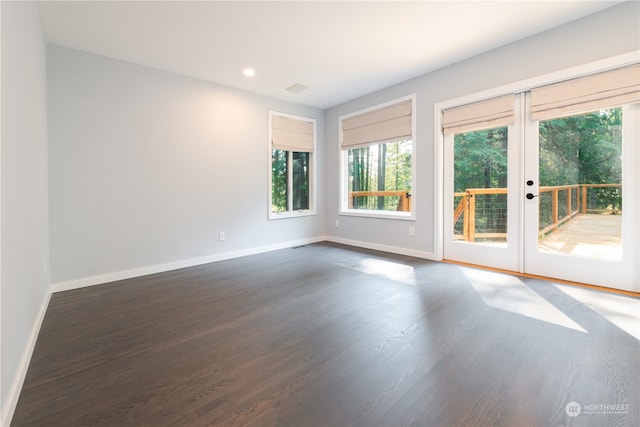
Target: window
(378,160)
(292,145)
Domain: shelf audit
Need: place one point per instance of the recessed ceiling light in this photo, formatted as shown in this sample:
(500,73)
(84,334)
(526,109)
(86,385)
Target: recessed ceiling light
(249,72)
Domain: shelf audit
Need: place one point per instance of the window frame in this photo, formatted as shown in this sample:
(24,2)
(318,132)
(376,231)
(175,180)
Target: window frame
(343,208)
(290,213)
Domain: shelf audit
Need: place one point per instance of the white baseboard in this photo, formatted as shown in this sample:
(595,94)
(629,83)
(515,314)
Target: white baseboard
(11,399)
(385,248)
(160,268)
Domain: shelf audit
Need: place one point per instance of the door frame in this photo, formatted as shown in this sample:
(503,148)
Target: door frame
(526,85)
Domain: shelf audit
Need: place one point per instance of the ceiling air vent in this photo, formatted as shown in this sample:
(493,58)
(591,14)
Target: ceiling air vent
(297,88)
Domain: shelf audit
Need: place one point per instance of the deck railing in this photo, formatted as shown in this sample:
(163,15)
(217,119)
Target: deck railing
(575,201)
(404,198)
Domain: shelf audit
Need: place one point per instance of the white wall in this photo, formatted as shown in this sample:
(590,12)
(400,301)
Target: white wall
(147,167)
(24,215)
(606,34)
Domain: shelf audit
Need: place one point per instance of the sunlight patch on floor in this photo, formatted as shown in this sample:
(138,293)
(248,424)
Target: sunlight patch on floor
(624,312)
(509,293)
(389,270)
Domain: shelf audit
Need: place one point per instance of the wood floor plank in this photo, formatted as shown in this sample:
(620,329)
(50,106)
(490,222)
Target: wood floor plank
(328,335)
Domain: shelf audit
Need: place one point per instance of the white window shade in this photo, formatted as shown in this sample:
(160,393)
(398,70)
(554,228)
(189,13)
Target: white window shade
(385,124)
(481,115)
(288,134)
(584,94)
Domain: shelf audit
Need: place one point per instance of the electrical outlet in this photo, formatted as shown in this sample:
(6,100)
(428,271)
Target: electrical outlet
(337,223)
(412,232)
(221,236)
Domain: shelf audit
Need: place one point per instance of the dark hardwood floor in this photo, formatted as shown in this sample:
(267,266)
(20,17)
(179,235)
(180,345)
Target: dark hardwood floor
(327,335)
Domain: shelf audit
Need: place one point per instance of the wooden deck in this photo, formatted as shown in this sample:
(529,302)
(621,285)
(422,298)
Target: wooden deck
(588,235)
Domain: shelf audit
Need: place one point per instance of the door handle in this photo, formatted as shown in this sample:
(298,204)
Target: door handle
(531,196)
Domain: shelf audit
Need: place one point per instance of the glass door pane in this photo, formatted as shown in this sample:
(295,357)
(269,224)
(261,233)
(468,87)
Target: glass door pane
(580,178)
(480,187)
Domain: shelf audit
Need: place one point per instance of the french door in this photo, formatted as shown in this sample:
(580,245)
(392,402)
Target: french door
(483,207)
(581,220)
(554,195)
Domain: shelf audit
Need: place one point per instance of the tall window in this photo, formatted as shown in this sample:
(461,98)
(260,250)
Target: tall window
(292,143)
(377,154)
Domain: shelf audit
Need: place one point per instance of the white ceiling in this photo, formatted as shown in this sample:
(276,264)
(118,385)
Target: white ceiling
(341,50)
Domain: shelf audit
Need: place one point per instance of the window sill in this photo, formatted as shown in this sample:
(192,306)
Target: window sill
(294,214)
(404,216)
